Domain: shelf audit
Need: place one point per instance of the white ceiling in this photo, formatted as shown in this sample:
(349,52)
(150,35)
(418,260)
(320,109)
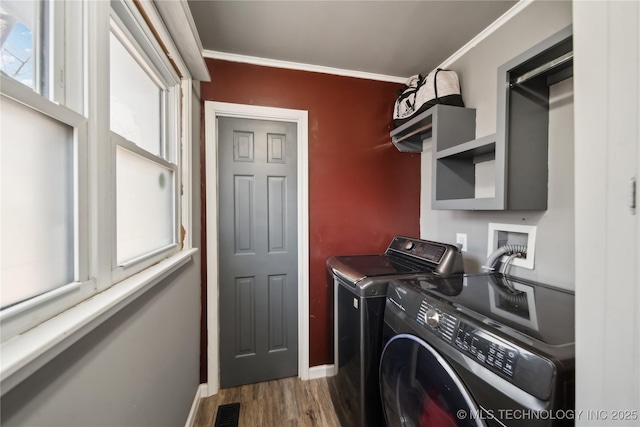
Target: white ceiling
(391,38)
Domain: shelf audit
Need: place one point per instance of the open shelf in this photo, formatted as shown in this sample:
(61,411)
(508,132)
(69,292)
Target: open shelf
(519,149)
(480,147)
(445,123)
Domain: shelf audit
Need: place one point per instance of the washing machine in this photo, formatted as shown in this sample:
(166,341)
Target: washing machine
(477,350)
(360,288)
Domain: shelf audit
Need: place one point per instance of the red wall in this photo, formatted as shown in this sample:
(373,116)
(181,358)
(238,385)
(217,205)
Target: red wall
(362,190)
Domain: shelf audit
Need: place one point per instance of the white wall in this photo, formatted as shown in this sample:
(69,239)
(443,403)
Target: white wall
(139,368)
(607,52)
(477,70)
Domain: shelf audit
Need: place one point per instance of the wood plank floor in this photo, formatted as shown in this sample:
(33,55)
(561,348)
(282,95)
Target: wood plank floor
(289,402)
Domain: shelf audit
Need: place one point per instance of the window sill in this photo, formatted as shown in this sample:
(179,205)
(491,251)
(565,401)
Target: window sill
(26,353)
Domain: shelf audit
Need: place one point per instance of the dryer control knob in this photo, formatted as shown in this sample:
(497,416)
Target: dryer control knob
(432,317)
(409,245)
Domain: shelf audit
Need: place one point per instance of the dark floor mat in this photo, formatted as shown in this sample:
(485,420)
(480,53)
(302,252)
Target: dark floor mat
(228,415)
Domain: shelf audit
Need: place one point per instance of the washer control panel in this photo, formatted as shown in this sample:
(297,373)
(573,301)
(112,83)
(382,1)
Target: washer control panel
(486,350)
(476,343)
(442,324)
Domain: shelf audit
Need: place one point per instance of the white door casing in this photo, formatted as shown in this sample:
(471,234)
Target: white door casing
(300,117)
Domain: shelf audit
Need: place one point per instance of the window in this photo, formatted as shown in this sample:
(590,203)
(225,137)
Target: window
(42,47)
(136,100)
(23,37)
(90,161)
(38,201)
(40,144)
(145,214)
(143,111)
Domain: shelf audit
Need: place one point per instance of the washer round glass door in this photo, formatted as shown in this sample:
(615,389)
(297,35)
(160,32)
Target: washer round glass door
(420,389)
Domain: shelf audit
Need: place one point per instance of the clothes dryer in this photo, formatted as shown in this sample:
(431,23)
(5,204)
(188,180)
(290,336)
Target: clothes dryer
(360,287)
(481,350)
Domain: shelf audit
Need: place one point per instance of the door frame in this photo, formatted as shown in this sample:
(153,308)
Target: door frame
(212,110)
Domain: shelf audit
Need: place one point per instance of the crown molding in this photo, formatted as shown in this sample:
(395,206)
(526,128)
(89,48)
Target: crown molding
(493,27)
(232,57)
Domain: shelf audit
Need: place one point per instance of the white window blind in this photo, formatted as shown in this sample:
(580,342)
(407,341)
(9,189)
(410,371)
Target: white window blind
(135,101)
(145,206)
(37,203)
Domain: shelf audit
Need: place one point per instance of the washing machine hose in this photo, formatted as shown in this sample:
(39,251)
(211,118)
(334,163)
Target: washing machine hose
(517,250)
(513,251)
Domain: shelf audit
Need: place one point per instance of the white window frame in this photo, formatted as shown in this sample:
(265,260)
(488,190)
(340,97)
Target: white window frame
(101,290)
(123,270)
(68,64)
(155,64)
(20,316)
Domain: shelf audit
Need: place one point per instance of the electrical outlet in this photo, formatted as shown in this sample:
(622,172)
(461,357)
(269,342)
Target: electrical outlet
(461,241)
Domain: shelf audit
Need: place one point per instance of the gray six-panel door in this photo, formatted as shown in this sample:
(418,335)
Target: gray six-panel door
(258,259)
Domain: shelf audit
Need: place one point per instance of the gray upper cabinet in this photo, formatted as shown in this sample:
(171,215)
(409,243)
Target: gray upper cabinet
(516,157)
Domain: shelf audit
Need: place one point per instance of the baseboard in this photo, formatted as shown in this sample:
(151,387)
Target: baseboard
(321,371)
(201,392)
